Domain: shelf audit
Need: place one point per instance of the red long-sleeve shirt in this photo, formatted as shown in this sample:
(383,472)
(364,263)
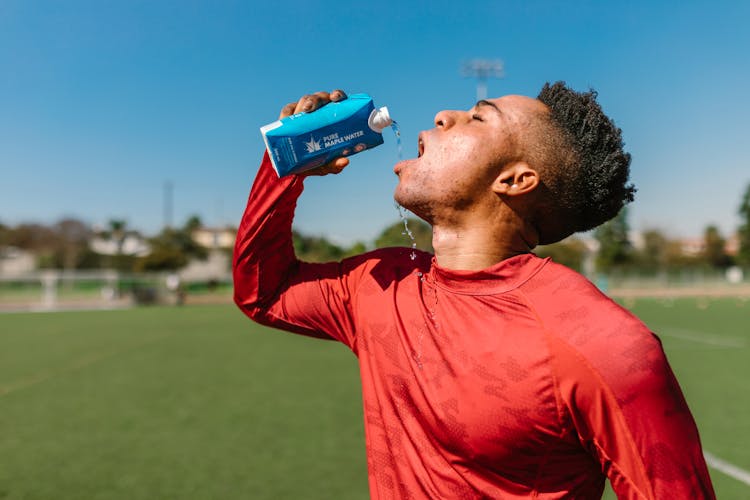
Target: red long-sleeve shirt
(520,380)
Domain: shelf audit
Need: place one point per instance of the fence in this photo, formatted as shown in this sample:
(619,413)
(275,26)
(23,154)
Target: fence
(50,290)
(734,282)
(54,290)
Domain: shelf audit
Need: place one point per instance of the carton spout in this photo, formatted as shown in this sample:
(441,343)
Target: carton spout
(379,119)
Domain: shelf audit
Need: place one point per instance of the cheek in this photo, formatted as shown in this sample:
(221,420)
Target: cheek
(459,151)
(463,165)
(452,170)
(427,189)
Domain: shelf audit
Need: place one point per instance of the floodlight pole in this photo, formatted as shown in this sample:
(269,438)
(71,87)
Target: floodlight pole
(482,70)
(168,204)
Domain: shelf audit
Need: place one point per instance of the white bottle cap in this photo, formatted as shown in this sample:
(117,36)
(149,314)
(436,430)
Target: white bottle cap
(379,119)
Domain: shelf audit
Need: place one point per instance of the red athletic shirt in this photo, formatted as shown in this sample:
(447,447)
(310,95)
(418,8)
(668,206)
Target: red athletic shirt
(520,380)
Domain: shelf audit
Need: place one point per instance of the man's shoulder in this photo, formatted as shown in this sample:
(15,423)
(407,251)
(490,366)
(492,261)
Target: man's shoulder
(558,284)
(574,309)
(589,331)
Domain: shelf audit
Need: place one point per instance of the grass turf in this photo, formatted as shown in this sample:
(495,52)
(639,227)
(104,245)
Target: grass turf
(198,402)
(175,403)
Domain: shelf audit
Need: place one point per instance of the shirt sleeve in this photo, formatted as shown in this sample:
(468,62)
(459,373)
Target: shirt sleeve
(271,285)
(624,403)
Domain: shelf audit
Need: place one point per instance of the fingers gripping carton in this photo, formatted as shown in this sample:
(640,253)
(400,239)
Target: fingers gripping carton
(308,140)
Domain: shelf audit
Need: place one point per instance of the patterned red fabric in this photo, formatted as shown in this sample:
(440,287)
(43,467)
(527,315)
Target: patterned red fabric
(521,380)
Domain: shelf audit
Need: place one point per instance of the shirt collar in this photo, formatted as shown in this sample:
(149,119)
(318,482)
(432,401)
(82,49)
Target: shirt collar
(502,277)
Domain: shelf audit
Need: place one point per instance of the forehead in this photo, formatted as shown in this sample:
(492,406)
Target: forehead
(519,106)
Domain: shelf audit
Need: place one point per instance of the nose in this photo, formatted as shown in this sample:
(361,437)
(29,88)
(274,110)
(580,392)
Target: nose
(445,119)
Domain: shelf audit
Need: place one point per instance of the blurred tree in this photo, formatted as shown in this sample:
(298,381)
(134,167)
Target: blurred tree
(63,245)
(37,239)
(117,233)
(320,249)
(615,250)
(172,248)
(194,222)
(4,234)
(88,259)
(73,242)
(676,258)
(396,235)
(714,252)
(569,252)
(743,255)
(357,248)
(315,248)
(653,257)
(34,237)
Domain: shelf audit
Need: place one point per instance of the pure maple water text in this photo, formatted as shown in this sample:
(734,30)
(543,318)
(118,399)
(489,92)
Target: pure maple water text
(305,141)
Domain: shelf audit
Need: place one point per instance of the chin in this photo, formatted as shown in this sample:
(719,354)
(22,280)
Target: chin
(418,207)
(401,196)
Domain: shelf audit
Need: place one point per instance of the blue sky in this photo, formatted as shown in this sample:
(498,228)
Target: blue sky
(103,102)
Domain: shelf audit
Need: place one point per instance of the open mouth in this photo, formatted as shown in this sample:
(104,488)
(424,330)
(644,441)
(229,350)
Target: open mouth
(420,152)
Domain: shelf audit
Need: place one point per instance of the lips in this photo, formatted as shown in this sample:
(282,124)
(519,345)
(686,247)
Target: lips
(400,166)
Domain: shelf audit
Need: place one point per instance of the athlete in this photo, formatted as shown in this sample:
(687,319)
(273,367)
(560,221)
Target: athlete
(487,372)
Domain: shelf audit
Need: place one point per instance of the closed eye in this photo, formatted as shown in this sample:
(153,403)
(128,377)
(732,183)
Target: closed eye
(476,117)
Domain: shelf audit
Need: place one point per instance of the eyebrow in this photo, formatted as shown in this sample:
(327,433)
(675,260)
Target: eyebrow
(485,102)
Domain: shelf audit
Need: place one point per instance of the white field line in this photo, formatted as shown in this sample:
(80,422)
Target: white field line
(725,467)
(703,338)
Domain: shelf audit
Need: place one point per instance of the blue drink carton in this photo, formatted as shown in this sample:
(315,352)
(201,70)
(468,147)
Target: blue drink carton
(308,140)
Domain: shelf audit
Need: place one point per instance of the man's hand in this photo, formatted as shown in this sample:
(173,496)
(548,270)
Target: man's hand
(307,104)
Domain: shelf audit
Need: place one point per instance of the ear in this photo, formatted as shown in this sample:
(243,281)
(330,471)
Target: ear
(517,178)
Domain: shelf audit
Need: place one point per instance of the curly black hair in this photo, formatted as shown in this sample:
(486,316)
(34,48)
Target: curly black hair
(584,178)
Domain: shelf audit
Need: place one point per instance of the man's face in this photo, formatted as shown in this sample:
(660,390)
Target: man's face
(462,155)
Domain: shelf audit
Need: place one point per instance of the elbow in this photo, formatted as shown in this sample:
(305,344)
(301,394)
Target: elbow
(250,308)
(246,295)
(254,310)
(250,300)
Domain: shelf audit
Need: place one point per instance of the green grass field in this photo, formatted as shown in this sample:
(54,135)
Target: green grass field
(198,402)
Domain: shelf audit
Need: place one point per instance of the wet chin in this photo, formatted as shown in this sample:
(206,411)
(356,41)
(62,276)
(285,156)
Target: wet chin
(412,202)
(402,197)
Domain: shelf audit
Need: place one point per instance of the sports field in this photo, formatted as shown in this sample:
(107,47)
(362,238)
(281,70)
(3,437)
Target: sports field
(198,402)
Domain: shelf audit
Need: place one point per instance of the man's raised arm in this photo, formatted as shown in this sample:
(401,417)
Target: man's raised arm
(271,285)
(263,253)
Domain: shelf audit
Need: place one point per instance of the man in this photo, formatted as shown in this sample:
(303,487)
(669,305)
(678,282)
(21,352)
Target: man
(487,372)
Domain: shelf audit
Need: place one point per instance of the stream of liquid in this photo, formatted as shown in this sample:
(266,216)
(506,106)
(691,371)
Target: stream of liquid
(416,353)
(401,210)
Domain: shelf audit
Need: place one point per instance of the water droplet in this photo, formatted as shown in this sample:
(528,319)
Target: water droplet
(407,231)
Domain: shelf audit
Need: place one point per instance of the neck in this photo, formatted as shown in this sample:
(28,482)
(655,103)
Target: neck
(479,243)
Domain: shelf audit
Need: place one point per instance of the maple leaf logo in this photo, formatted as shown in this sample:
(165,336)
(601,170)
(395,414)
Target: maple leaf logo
(313,145)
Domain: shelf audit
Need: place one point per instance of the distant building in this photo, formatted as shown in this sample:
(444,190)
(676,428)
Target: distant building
(694,247)
(636,239)
(215,237)
(132,244)
(16,262)
(732,246)
(216,266)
